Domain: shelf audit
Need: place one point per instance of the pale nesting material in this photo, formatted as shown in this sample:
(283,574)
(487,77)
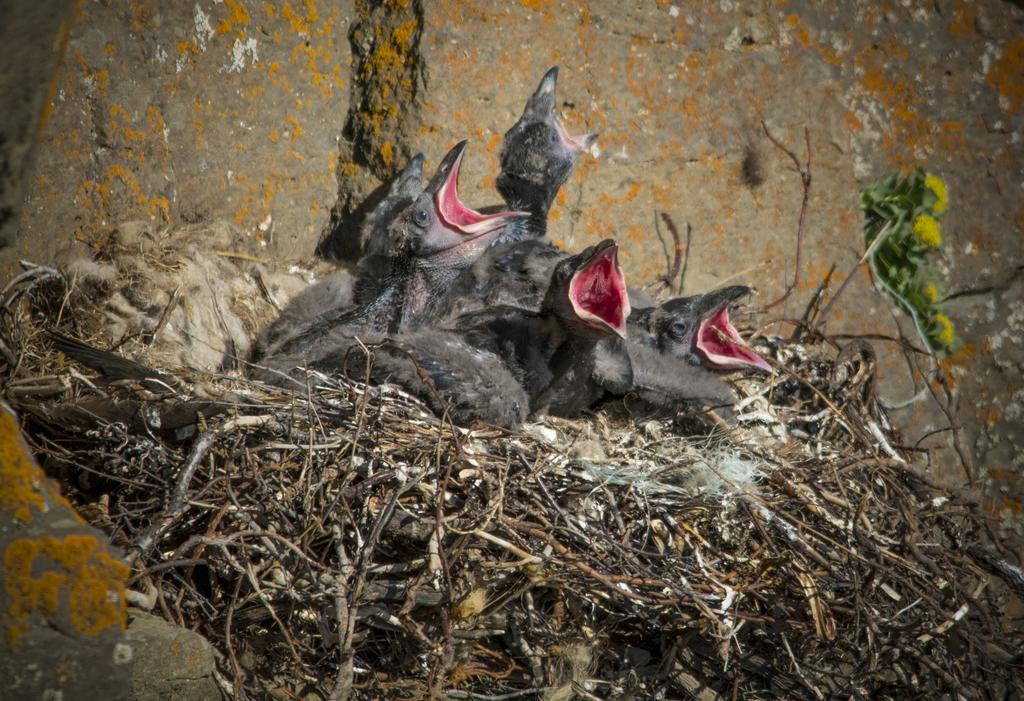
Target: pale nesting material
(193,288)
(719,471)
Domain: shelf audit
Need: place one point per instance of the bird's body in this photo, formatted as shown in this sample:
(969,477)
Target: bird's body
(537,157)
(431,242)
(554,352)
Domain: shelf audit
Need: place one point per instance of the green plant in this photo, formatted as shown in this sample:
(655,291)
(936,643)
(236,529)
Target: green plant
(901,229)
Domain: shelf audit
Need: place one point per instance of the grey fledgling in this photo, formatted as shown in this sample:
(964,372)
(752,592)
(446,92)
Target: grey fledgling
(341,290)
(438,367)
(568,353)
(434,239)
(537,157)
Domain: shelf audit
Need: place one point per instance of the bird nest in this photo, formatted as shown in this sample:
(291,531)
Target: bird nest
(347,543)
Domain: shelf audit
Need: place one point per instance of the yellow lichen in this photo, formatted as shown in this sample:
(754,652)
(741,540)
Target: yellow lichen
(938,186)
(40,572)
(296,126)
(19,476)
(387,153)
(931,292)
(926,230)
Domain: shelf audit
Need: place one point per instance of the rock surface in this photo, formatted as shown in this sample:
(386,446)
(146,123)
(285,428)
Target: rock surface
(169,663)
(233,112)
(62,603)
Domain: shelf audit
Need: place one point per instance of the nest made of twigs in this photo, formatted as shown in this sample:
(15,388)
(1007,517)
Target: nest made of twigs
(347,543)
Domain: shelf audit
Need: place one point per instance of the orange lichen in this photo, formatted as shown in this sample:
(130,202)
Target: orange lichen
(962,24)
(387,153)
(20,478)
(99,77)
(1007,74)
(300,24)
(40,572)
(296,127)
(236,21)
(90,190)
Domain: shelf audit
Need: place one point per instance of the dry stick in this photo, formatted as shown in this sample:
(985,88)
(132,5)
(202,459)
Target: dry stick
(343,686)
(675,268)
(363,562)
(149,338)
(176,506)
(813,305)
(881,237)
(948,410)
(805,180)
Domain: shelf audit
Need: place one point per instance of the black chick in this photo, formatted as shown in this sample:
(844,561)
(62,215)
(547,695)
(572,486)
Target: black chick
(373,266)
(675,348)
(433,240)
(439,367)
(339,291)
(537,157)
(697,329)
(567,354)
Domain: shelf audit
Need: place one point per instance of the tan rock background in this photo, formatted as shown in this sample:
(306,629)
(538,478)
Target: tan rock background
(279,118)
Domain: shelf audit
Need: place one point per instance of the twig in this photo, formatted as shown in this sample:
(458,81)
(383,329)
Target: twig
(676,268)
(805,179)
(176,503)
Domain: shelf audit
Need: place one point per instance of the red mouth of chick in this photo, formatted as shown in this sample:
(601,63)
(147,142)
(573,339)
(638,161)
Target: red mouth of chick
(458,216)
(722,345)
(598,292)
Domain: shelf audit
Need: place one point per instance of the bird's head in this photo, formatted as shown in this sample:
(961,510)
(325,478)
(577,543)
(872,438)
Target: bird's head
(698,330)
(538,153)
(439,230)
(588,292)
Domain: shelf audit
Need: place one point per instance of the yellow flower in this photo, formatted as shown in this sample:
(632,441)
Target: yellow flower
(926,229)
(931,292)
(938,186)
(945,334)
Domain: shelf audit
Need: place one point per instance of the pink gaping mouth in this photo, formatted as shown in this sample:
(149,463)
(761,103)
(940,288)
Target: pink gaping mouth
(598,292)
(458,216)
(721,344)
(572,143)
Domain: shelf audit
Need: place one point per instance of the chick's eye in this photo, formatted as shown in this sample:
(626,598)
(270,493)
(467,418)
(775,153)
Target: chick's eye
(552,137)
(420,217)
(679,328)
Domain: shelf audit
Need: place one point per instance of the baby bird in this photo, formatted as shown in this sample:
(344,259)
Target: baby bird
(537,157)
(568,353)
(434,239)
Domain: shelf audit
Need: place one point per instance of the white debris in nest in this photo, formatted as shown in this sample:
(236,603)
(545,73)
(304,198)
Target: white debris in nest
(718,471)
(542,432)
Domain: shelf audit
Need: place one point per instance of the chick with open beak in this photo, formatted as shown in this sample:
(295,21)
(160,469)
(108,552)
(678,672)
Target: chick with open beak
(551,351)
(433,240)
(697,329)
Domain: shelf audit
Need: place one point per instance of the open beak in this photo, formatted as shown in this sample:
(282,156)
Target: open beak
(542,102)
(457,215)
(720,343)
(597,290)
